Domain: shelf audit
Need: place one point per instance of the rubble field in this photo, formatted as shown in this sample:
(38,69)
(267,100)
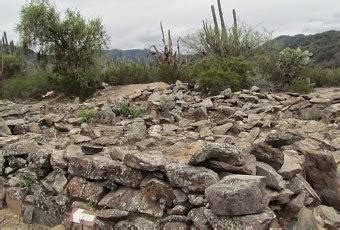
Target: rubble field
(175,160)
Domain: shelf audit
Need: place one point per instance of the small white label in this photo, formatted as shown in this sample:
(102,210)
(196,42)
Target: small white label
(79,216)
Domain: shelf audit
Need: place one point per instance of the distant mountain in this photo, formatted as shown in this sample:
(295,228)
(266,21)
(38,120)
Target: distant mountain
(325,46)
(134,55)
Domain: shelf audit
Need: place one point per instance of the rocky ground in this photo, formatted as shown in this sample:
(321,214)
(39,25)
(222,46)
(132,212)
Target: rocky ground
(242,160)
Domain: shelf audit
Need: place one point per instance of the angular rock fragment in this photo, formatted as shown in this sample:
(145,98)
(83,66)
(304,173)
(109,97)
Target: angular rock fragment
(144,161)
(79,188)
(237,195)
(259,221)
(293,164)
(272,156)
(273,179)
(190,178)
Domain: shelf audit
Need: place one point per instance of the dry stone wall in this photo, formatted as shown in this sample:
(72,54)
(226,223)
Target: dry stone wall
(242,160)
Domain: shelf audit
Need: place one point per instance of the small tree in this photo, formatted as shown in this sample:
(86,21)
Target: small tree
(291,63)
(70,43)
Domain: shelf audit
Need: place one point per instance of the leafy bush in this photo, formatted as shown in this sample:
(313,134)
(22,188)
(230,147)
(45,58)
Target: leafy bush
(291,63)
(126,110)
(216,73)
(323,77)
(14,65)
(82,82)
(214,81)
(168,73)
(298,86)
(86,115)
(263,81)
(27,86)
(128,73)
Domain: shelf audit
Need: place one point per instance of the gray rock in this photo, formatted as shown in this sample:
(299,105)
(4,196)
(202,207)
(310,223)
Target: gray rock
(100,167)
(111,214)
(144,161)
(259,221)
(197,200)
(216,151)
(222,129)
(265,153)
(132,200)
(273,179)
(80,188)
(198,218)
(237,195)
(292,165)
(277,139)
(190,178)
(4,129)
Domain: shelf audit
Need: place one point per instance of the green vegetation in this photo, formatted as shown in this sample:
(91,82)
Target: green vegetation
(323,77)
(86,115)
(292,62)
(127,110)
(27,87)
(215,74)
(69,58)
(298,86)
(70,43)
(128,73)
(325,47)
(13,65)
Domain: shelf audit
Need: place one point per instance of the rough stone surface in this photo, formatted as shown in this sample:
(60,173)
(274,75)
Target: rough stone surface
(237,195)
(259,221)
(190,178)
(273,179)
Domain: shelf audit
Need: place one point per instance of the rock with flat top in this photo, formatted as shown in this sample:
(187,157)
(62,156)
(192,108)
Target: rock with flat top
(237,195)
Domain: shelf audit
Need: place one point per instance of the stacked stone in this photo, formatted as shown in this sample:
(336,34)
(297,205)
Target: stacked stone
(243,160)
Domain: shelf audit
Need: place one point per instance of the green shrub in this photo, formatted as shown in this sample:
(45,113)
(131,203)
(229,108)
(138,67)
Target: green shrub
(126,110)
(168,73)
(86,115)
(215,73)
(323,77)
(27,86)
(79,82)
(128,73)
(298,86)
(14,65)
(291,63)
(214,81)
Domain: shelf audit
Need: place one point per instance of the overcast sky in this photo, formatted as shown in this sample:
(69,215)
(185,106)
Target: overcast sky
(135,23)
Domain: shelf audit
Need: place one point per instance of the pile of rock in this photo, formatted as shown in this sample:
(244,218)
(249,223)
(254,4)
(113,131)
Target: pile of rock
(238,160)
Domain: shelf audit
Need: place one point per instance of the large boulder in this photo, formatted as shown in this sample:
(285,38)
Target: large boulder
(190,178)
(237,195)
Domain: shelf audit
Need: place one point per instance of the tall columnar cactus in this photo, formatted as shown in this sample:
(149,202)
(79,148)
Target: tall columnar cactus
(217,29)
(223,26)
(235,29)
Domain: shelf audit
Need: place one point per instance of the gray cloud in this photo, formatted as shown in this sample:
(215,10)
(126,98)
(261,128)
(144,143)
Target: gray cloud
(135,23)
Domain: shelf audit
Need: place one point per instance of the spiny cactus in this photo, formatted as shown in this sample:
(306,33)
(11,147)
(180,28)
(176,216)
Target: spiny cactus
(168,55)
